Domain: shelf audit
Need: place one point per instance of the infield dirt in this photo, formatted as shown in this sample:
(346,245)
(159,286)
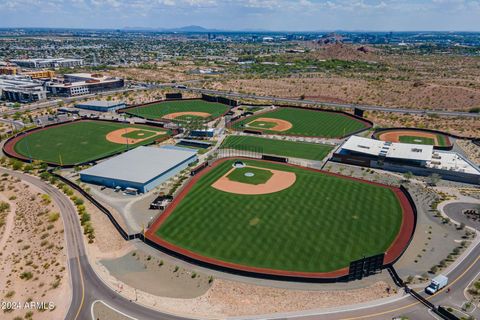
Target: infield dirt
(279,181)
(281,125)
(117,136)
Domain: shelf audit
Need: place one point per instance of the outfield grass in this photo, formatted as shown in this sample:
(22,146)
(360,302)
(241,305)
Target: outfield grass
(75,142)
(309,123)
(319,224)
(303,150)
(443,141)
(411,137)
(158,110)
(416,140)
(260,176)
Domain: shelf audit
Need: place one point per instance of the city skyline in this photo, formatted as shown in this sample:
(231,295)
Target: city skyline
(234,15)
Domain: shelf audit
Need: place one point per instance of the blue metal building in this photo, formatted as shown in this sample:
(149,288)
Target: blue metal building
(142,168)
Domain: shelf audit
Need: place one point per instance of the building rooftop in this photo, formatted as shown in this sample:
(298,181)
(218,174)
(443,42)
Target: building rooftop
(19,82)
(46,60)
(389,149)
(141,164)
(452,161)
(100,103)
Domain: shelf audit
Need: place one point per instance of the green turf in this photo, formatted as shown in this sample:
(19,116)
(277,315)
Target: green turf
(140,134)
(261,124)
(304,150)
(442,140)
(158,110)
(260,176)
(416,140)
(309,123)
(319,224)
(76,142)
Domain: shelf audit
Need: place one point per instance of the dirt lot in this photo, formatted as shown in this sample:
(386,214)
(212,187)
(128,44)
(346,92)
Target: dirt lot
(467,127)
(32,260)
(407,80)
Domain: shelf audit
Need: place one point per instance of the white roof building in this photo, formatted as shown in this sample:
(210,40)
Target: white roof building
(389,149)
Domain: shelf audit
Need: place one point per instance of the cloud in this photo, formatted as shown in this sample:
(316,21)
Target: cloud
(238,14)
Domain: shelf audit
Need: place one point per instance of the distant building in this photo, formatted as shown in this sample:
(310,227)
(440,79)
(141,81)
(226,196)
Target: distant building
(48,63)
(76,84)
(8,70)
(418,159)
(21,89)
(142,168)
(39,74)
(34,74)
(102,106)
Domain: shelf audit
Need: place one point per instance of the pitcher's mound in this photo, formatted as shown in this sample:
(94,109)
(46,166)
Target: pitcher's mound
(279,180)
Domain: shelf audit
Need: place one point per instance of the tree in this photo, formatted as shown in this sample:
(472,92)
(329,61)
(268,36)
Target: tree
(434,178)
(408,176)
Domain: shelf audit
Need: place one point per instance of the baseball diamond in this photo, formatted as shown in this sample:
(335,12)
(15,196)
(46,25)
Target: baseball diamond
(82,141)
(302,122)
(180,110)
(312,227)
(414,136)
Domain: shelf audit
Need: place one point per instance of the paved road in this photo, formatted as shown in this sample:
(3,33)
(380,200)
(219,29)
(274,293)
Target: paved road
(87,287)
(455,211)
(347,106)
(14,124)
(54,103)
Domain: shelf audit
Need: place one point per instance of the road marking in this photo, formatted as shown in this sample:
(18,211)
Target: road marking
(108,306)
(468,285)
(83,288)
(416,303)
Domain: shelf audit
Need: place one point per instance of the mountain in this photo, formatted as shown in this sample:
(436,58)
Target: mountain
(191,28)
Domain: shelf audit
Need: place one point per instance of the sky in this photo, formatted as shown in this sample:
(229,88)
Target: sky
(275,15)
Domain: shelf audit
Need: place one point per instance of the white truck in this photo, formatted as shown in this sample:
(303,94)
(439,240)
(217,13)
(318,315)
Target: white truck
(437,283)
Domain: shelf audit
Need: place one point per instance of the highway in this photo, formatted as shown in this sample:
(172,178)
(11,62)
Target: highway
(347,106)
(55,102)
(236,95)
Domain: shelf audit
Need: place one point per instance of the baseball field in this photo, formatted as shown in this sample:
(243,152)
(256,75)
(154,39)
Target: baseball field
(180,110)
(270,217)
(302,122)
(303,150)
(414,137)
(83,141)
